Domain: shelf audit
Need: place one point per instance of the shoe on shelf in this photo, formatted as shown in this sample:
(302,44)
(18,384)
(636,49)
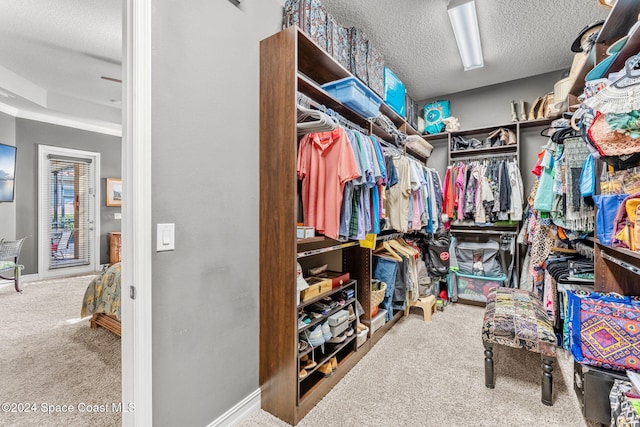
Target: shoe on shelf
(316,337)
(334,363)
(326,369)
(349,332)
(326,331)
(307,363)
(302,345)
(337,340)
(302,374)
(352,315)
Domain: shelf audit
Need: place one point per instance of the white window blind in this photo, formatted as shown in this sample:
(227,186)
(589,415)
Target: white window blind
(68,181)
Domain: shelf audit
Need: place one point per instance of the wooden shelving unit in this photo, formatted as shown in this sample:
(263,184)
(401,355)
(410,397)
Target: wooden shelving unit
(290,62)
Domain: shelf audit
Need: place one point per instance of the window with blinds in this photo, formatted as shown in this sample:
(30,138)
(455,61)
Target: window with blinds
(70,219)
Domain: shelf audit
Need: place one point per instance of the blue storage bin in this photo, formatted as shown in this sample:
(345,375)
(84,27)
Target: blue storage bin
(394,92)
(355,95)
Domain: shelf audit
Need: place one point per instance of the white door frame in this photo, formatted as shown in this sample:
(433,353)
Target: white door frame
(44,243)
(136,218)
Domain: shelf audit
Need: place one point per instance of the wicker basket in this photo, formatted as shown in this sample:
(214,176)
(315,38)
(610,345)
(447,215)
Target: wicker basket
(378,295)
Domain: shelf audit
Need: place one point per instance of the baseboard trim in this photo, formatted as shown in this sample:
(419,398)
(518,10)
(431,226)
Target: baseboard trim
(239,412)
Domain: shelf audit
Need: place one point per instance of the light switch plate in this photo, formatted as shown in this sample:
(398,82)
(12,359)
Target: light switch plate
(165,238)
(117,215)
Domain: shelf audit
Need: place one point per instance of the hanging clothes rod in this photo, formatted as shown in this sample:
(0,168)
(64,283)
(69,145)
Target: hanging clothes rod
(494,232)
(391,236)
(397,151)
(621,263)
(305,101)
(480,158)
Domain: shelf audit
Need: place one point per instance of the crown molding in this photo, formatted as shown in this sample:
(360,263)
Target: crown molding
(71,122)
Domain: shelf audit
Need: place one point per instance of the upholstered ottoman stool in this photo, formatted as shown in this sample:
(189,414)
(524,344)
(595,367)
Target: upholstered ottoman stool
(515,318)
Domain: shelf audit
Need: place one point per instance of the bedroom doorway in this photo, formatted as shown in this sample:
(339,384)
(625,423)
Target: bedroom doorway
(68,199)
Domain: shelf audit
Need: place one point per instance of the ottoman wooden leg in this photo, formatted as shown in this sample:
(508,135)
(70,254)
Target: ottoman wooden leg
(547,380)
(488,366)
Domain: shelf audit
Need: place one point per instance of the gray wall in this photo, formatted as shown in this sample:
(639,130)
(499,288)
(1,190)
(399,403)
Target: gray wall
(29,134)
(8,210)
(490,106)
(205,106)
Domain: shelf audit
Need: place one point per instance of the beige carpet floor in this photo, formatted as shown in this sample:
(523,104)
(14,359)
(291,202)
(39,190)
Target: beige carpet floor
(47,361)
(432,374)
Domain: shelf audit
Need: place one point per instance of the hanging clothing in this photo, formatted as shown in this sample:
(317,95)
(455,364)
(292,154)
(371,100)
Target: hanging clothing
(325,163)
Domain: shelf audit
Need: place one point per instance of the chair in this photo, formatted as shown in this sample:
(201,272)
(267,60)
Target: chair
(59,249)
(9,256)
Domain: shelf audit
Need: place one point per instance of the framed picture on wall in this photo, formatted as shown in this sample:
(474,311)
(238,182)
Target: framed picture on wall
(7,172)
(114,192)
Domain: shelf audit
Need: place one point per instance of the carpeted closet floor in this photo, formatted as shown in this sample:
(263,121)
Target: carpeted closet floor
(45,359)
(432,374)
(419,374)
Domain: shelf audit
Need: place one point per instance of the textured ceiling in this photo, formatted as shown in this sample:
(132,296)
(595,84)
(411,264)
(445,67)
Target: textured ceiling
(520,38)
(62,47)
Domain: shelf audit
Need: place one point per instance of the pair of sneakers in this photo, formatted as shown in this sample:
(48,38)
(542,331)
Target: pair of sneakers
(319,334)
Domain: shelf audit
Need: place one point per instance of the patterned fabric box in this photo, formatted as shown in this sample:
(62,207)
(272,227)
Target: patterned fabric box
(339,43)
(318,24)
(295,13)
(359,47)
(310,16)
(375,69)
(412,112)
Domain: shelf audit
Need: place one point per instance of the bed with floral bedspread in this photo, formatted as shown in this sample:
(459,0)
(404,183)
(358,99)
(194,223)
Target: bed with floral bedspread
(102,300)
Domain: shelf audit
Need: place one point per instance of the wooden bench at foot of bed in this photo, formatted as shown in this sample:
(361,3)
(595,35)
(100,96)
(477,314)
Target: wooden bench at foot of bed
(107,322)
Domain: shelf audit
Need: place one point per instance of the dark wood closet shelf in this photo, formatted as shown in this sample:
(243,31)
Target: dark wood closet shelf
(612,250)
(315,239)
(488,129)
(435,136)
(314,91)
(326,316)
(319,297)
(504,149)
(325,359)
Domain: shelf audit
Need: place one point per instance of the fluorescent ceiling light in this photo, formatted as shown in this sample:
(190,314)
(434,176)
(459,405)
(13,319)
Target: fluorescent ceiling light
(465,27)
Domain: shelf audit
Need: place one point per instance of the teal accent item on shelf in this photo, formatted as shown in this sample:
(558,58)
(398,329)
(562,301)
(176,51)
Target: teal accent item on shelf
(434,112)
(394,92)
